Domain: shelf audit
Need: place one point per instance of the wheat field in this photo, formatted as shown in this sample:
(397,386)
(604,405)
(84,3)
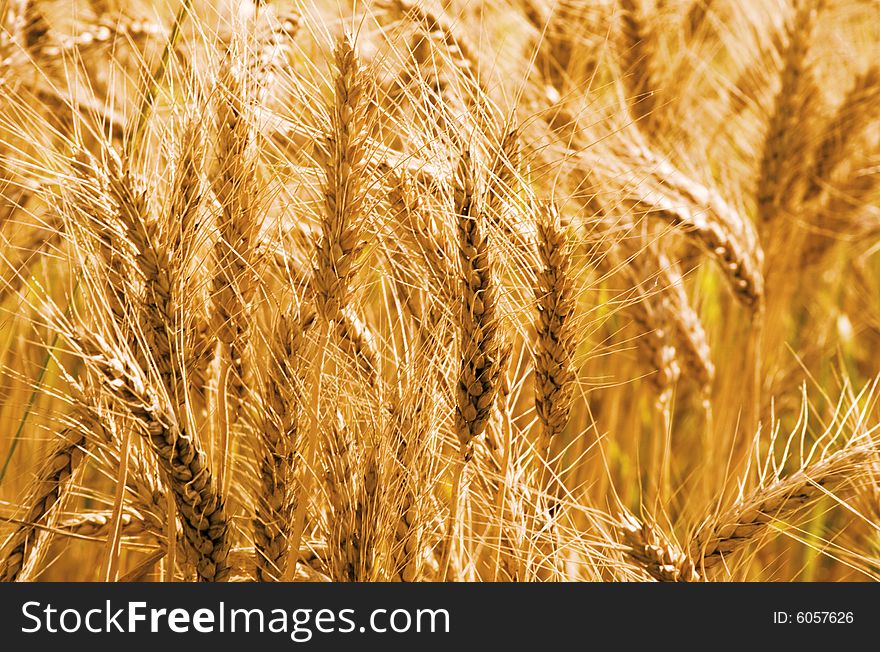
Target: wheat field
(403,290)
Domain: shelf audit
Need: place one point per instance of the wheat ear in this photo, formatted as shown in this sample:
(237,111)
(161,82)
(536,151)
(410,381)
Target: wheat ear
(143,288)
(724,534)
(345,486)
(344,159)
(233,285)
(479,352)
(702,213)
(788,130)
(555,345)
(478,345)
(56,474)
(276,496)
(181,458)
(652,551)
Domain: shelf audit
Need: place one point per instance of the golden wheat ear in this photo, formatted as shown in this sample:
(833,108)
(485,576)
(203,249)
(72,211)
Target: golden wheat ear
(555,344)
(178,453)
(479,343)
(650,549)
(234,183)
(714,543)
(637,62)
(790,125)
(276,492)
(344,160)
(57,473)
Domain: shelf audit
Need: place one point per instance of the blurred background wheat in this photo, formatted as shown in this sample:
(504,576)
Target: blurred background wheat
(528,290)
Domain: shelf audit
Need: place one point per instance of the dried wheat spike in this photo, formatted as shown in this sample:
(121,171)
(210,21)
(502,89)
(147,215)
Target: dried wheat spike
(186,188)
(276,496)
(179,454)
(408,427)
(143,266)
(408,535)
(344,488)
(726,533)
(555,346)
(649,548)
(55,475)
(184,232)
(156,264)
(89,197)
(703,214)
(638,75)
(234,183)
(479,339)
(790,124)
(344,160)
